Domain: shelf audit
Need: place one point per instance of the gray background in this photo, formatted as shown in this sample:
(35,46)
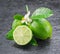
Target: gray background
(10,7)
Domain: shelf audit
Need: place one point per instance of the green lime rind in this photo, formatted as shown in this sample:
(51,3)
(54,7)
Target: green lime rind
(42,12)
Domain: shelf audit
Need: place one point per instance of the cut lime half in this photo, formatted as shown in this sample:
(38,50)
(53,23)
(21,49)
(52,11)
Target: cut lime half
(22,35)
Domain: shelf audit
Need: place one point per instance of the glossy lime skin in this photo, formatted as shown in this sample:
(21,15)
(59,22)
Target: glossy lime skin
(16,23)
(41,28)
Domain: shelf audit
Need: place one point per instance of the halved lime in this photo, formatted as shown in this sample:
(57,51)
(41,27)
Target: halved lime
(22,35)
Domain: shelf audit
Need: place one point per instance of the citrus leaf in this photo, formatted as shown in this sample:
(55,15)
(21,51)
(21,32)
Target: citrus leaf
(18,16)
(34,42)
(42,13)
(9,35)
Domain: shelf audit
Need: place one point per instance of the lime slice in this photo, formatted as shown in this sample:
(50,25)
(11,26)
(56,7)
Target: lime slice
(22,35)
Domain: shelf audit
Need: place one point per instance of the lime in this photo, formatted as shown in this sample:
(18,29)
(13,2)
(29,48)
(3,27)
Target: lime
(16,23)
(41,28)
(22,35)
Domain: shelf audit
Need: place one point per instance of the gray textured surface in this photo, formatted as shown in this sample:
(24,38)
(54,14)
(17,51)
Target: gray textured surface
(10,7)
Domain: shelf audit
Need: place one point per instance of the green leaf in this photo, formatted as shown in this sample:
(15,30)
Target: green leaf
(42,13)
(9,35)
(34,42)
(18,16)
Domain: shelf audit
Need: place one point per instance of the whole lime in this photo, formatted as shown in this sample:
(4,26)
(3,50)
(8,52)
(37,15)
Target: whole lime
(16,23)
(41,28)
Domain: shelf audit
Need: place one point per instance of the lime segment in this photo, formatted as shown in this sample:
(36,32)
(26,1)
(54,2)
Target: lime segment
(22,35)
